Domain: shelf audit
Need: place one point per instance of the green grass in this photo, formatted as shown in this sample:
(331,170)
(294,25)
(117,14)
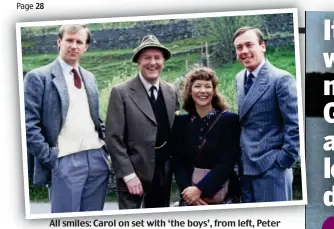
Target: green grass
(284,59)
(38,193)
(110,70)
(106,56)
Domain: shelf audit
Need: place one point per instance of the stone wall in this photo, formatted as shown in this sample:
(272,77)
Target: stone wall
(121,38)
(118,38)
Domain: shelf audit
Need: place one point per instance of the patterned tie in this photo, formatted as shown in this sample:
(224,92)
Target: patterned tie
(152,97)
(77,80)
(249,82)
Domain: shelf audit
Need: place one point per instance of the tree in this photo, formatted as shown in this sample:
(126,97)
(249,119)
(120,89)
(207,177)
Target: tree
(221,30)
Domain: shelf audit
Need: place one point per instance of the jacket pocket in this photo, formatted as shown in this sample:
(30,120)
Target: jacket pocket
(105,158)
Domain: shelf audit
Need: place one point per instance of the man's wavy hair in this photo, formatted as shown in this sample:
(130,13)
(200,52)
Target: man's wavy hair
(203,73)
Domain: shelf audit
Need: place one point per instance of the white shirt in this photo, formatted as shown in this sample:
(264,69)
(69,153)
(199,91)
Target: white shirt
(67,71)
(148,86)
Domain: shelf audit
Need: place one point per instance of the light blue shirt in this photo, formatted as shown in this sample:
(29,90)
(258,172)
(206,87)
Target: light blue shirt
(257,70)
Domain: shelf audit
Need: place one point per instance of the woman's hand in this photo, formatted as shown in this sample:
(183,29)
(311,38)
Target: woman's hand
(200,202)
(192,195)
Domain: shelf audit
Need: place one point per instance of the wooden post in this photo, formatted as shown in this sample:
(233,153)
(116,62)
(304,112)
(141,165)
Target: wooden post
(207,54)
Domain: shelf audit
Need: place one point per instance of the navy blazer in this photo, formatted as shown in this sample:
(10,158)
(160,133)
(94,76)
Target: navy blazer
(220,154)
(46,104)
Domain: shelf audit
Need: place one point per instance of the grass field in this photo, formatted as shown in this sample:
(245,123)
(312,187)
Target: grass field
(110,69)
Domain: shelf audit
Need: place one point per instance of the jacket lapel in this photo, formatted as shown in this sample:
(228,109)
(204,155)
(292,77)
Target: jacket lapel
(140,98)
(170,101)
(92,94)
(241,89)
(60,84)
(259,87)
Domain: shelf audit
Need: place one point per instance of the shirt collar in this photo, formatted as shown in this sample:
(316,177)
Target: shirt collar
(257,70)
(209,115)
(148,85)
(66,67)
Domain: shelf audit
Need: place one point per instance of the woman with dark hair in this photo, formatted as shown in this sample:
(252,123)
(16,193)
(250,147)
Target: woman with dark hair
(206,143)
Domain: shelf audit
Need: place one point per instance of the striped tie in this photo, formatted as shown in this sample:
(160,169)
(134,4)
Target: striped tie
(249,82)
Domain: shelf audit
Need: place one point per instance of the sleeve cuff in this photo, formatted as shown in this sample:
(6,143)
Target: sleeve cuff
(129,177)
(53,157)
(284,160)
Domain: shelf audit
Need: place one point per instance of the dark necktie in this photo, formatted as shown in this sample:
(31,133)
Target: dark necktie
(77,80)
(152,97)
(249,82)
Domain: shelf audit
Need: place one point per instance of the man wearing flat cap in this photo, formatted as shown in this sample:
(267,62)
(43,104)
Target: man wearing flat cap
(139,121)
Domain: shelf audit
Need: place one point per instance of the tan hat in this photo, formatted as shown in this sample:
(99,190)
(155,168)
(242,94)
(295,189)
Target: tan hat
(150,41)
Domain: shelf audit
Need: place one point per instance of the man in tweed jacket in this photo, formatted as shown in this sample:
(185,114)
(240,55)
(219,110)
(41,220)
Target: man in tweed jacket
(63,127)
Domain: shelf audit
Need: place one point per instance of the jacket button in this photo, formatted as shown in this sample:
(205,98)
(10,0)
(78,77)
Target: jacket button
(152,161)
(259,147)
(260,130)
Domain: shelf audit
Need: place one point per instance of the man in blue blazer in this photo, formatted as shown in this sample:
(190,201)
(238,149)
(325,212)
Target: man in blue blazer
(63,128)
(267,107)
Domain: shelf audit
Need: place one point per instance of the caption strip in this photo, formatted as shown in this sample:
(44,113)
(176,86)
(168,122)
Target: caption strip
(247,223)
